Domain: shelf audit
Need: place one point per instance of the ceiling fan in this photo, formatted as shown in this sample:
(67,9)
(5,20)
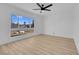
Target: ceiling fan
(43,7)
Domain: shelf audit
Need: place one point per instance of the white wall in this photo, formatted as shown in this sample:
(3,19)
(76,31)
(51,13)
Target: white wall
(60,21)
(5,23)
(76,26)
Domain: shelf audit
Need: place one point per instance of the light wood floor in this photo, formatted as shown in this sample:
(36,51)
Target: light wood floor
(40,45)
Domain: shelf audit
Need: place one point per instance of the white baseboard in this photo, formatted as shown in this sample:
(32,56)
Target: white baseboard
(60,36)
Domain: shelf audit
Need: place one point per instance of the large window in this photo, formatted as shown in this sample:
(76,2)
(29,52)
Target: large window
(21,25)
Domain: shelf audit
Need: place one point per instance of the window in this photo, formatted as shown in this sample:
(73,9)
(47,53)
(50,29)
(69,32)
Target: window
(21,25)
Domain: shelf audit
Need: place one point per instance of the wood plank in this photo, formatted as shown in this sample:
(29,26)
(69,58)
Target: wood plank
(40,45)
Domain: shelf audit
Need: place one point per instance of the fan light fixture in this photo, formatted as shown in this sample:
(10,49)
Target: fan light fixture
(43,7)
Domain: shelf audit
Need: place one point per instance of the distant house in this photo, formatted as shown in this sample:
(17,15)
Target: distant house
(13,25)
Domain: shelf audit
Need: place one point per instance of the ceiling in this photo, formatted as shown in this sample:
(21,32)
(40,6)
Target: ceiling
(30,6)
(56,8)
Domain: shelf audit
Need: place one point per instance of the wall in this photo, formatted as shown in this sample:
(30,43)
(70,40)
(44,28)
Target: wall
(5,23)
(76,26)
(60,21)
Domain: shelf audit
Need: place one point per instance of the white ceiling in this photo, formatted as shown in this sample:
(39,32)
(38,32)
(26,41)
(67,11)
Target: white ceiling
(55,8)
(30,6)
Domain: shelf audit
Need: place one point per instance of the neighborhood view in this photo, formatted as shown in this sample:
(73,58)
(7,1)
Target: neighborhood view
(21,25)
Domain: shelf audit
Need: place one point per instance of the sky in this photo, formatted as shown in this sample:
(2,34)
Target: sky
(21,19)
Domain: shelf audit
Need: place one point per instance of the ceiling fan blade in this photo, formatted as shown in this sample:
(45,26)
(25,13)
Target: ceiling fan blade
(39,5)
(47,10)
(36,9)
(48,6)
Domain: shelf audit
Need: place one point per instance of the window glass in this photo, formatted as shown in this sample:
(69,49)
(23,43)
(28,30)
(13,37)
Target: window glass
(21,25)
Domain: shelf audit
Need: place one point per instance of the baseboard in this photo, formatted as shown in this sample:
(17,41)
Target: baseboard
(59,36)
(9,42)
(33,36)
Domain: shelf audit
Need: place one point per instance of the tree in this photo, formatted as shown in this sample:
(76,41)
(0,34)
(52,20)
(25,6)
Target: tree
(24,24)
(32,26)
